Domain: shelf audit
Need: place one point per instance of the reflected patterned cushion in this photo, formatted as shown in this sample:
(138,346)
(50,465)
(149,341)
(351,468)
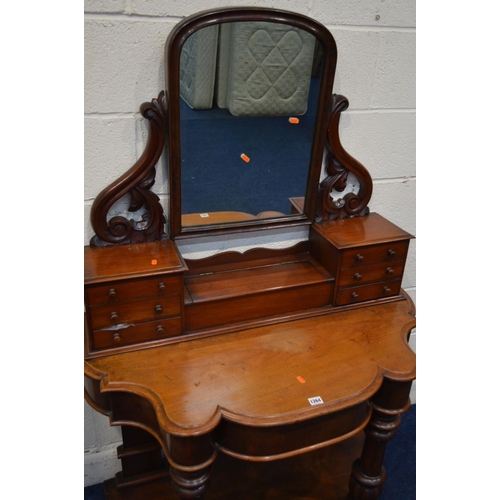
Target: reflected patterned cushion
(269,69)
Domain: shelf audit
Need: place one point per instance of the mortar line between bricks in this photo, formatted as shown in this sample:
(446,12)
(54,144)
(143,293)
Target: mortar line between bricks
(385,180)
(107,16)
(113,115)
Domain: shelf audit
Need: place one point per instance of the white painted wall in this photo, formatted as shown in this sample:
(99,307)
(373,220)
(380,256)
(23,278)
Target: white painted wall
(124,43)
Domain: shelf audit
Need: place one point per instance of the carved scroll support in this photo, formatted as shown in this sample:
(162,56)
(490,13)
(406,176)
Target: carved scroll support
(339,164)
(137,183)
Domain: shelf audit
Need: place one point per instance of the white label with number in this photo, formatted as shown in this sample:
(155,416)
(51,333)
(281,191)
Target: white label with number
(315,401)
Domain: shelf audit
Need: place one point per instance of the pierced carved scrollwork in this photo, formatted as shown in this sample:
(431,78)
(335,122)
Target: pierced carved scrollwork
(339,164)
(137,183)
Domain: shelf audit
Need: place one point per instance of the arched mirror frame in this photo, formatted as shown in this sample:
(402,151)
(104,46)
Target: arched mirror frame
(173,48)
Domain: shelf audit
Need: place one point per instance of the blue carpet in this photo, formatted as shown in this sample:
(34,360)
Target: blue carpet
(94,492)
(400,460)
(399,463)
(215,178)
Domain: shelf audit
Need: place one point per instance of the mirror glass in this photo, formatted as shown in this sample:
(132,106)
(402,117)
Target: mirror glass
(249,98)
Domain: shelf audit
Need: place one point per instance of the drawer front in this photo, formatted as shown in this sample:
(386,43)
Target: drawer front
(142,332)
(134,289)
(136,311)
(389,252)
(246,308)
(365,274)
(368,292)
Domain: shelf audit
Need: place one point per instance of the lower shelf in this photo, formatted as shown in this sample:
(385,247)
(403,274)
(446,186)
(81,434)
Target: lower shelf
(319,474)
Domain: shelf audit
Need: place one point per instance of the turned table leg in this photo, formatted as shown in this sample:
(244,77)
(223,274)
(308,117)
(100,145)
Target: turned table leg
(190,485)
(191,460)
(368,474)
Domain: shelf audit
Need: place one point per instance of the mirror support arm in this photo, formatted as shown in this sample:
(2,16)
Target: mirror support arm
(137,182)
(339,164)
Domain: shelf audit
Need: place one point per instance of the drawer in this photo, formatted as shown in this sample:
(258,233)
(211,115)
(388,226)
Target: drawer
(376,254)
(136,311)
(133,289)
(368,292)
(142,332)
(365,274)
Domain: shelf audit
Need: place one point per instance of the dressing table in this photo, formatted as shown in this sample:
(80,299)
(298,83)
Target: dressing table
(267,355)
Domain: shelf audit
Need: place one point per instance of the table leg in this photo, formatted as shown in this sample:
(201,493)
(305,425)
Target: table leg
(368,474)
(190,485)
(191,460)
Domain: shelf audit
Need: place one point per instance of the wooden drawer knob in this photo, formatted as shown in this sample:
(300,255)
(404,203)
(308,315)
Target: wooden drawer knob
(389,270)
(358,277)
(161,287)
(159,309)
(354,295)
(386,289)
(391,252)
(114,317)
(112,294)
(359,258)
(116,338)
(160,330)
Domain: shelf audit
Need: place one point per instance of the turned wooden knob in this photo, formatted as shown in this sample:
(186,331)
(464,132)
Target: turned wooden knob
(159,330)
(389,270)
(114,316)
(358,277)
(391,253)
(359,258)
(387,289)
(354,295)
(162,287)
(159,309)
(117,338)
(112,294)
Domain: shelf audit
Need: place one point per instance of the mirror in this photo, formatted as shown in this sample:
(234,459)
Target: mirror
(249,95)
(248,92)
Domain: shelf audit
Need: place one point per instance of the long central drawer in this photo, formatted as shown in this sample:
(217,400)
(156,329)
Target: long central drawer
(244,294)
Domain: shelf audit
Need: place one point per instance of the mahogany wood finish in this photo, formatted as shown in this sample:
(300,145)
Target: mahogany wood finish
(317,475)
(137,183)
(139,296)
(134,295)
(366,255)
(314,311)
(239,393)
(339,164)
(141,459)
(259,357)
(255,289)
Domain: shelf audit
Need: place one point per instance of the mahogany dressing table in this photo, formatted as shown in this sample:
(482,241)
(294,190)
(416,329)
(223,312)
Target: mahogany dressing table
(262,356)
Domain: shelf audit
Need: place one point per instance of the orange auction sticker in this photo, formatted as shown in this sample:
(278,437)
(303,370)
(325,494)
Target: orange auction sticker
(244,157)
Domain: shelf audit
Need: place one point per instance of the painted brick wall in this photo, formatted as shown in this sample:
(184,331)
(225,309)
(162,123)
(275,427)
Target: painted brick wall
(124,43)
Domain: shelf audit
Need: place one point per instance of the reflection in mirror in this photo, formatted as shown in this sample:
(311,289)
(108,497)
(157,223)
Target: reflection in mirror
(249,98)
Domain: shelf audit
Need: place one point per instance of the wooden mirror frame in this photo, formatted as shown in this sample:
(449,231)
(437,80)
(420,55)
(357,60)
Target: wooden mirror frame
(173,49)
(163,114)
